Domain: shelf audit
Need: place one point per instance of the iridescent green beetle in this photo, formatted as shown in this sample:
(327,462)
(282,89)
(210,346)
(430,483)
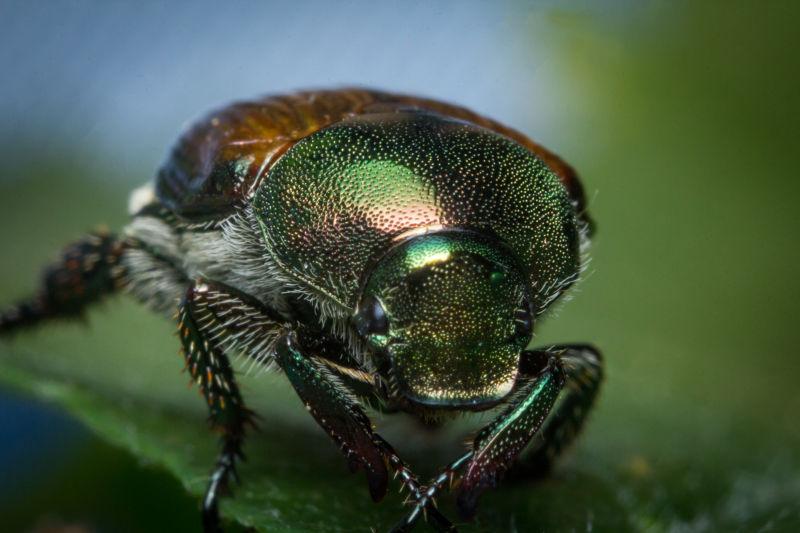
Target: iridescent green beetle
(379,249)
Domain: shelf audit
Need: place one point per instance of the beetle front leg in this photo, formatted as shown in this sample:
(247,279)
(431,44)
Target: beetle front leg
(498,444)
(583,366)
(336,411)
(211,370)
(343,418)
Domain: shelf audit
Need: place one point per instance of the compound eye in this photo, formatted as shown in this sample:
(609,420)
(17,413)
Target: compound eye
(370,319)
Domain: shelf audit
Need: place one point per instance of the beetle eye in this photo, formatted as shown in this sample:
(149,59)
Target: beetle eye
(371,318)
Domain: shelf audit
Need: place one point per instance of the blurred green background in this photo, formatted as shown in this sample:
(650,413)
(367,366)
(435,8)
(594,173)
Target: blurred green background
(680,116)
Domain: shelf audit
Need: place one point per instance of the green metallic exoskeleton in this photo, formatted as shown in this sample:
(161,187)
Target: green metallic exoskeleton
(380,249)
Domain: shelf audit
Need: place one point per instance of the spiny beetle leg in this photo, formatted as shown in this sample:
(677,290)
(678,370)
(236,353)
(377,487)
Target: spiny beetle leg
(425,500)
(87,270)
(340,414)
(583,365)
(335,410)
(580,367)
(435,518)
(497,445)
(212,371)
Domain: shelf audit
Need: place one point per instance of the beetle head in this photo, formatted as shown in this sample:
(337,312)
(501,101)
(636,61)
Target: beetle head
(451,313)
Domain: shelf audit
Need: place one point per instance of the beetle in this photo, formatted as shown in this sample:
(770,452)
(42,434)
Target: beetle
(383,251)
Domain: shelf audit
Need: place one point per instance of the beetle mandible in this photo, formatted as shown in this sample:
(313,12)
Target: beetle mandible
(369,245)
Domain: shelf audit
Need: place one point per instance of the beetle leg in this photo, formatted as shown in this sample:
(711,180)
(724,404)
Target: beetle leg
(416,491)
(211,370)
(496,447)
(583,366)
(336,411)
(499,444)
(87,270)
(342,417)
(424,504)
(233,321)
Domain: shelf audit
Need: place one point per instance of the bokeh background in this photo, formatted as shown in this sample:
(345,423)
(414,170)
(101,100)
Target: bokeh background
(682,117)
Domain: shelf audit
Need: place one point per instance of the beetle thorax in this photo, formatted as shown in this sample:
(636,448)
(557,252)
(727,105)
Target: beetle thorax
(341,197)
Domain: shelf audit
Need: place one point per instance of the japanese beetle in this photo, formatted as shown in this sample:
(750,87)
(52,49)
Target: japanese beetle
(370,245)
